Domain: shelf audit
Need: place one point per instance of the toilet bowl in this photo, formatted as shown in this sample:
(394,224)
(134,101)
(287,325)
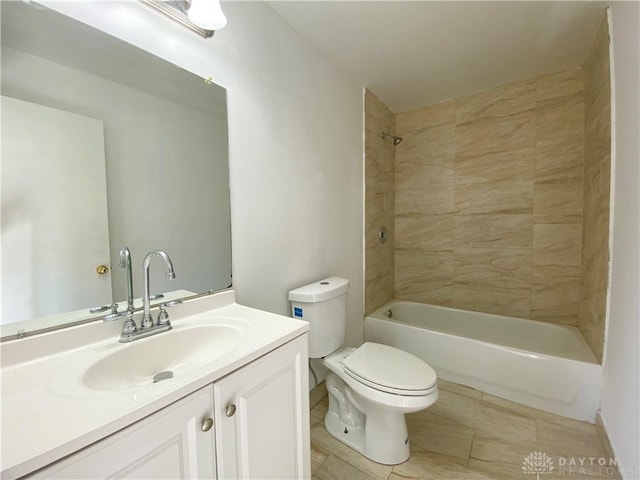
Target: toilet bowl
(371,388)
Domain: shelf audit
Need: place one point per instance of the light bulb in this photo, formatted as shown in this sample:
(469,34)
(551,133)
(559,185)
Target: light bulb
(207,14)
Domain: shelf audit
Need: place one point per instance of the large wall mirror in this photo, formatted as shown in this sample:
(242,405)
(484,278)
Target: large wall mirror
(103,146)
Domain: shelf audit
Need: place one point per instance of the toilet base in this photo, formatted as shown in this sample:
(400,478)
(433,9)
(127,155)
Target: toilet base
(377,433)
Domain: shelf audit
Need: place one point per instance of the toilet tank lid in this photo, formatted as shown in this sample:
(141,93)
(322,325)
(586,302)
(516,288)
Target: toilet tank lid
(320,291)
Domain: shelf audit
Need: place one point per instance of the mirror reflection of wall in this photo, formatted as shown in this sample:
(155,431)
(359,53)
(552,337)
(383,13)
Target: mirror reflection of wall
(165,150)
(49,234)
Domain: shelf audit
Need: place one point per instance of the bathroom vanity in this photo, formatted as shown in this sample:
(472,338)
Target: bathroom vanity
(76,403)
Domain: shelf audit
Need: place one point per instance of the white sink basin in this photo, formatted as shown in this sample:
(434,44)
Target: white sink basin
(175,351)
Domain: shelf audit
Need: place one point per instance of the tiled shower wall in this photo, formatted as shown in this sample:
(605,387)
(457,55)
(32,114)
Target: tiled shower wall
(488,200)
(597,172)
(379,203)
(497,201)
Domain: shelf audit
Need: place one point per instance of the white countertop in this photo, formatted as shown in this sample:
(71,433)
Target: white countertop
(47,411)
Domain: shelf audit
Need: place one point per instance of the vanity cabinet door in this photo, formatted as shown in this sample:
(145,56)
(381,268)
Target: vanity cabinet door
(262,417)
(168,444)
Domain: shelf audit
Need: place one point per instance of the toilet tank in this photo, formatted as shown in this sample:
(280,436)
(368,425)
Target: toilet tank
(324,305)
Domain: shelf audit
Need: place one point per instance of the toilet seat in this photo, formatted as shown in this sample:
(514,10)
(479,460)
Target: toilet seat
(390,370)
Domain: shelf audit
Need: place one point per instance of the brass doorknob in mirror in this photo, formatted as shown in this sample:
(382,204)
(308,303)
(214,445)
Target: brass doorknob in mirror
(206,424)
(102,269)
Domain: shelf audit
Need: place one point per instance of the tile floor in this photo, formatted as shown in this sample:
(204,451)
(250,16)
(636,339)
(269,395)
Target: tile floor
(468,435)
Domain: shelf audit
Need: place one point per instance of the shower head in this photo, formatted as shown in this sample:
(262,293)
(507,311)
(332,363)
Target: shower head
(396,139)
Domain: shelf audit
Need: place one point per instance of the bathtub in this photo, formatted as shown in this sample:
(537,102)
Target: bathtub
(542,365)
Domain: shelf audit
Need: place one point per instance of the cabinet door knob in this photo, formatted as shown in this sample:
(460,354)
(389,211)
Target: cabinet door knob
(230,410)
(206,425)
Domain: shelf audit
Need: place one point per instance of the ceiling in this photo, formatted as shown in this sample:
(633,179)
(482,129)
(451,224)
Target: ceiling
(416,53)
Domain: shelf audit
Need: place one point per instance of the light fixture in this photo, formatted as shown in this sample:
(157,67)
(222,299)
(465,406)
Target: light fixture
(201,16)
(207,14)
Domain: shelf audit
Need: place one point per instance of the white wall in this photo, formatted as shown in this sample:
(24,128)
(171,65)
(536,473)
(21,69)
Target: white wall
(295,146)
(621,378)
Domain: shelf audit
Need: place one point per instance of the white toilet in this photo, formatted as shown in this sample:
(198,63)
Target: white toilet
(370,387)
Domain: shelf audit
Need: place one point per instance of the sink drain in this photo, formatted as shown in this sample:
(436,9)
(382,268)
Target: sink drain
(165,375)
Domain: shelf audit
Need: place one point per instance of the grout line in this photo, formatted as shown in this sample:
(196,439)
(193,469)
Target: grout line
(473,438)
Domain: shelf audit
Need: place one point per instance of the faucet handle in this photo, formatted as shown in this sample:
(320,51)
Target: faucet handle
(129,325)
(163,316)
(113,316)
(103,308)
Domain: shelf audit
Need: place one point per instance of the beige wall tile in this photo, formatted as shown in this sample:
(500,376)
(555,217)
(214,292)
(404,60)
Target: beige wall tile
(497,102)
(379,262)
(414,197)
(503,268)
(479,177)
(591,323)
(479,297)
(438,114)
(557,275)
(378,115)
(506,196)
(560,117)
(493,231)
(379,203)
(378,292)
(556,303)
(544,218)
(561,84)
(379,210)
(557,245)
(597,171)
(425,232)
(430,145)
(495,166)
(379,172)
(596,67)
(559,159)
(431,293)
(496,134)
(558,198)
(417,174)
(423,276)
(422,266)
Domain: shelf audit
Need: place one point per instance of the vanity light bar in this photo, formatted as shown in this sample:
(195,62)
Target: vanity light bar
(176,10)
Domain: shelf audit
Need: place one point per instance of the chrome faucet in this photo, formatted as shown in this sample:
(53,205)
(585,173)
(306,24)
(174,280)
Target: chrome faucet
(125,262)
(148,327)
(147,319)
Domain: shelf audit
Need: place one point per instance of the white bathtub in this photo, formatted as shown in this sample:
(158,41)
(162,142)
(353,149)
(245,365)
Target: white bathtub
(538,364)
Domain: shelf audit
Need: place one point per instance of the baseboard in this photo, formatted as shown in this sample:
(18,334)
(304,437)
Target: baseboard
(604,440)
(317,394)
